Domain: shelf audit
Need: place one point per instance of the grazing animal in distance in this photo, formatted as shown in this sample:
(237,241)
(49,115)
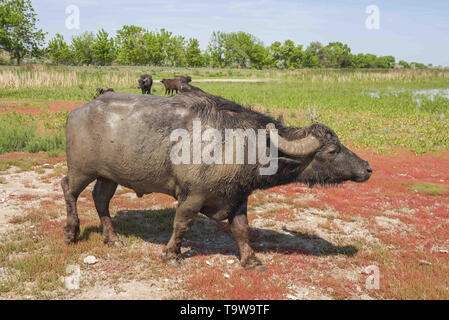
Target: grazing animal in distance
(145,83)
(141,160)
(184,79)
(101,91)
(172,85)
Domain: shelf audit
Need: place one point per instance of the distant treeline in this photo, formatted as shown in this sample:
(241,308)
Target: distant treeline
(134,45)
(21,39)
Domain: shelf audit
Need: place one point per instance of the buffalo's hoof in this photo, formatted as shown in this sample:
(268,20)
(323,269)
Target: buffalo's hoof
(114,241)
(254,264)
(172,259)
(256,267)
(176,263)
(260,268)
(71,234)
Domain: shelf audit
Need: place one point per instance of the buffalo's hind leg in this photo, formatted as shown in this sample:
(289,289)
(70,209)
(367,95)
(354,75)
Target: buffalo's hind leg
(240,231)
(185,214)
(72,187)
(103,192)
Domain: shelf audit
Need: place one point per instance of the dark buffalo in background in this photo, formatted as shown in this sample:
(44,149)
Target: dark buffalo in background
(145,83)
(124,139)
(100,91)
(187,79)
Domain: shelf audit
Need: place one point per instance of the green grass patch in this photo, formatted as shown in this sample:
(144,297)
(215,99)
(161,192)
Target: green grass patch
(376,109)
(32,133)
(428,188)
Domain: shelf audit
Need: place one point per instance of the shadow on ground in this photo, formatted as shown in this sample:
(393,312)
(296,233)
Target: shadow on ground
(209,237)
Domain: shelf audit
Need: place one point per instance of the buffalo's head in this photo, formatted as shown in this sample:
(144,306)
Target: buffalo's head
(145,80)
(321,157)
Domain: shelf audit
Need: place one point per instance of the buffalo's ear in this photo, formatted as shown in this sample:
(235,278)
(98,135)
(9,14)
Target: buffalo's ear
(288,166)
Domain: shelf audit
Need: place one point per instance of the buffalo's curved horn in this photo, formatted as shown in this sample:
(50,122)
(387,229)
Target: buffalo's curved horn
(296,148)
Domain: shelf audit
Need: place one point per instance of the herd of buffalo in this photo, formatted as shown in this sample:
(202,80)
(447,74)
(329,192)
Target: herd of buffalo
(126,139)
(146,82)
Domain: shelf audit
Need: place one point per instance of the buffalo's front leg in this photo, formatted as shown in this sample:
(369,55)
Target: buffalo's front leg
(185,213)
(240,231)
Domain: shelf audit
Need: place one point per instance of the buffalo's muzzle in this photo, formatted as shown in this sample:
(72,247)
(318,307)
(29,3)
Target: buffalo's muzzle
(364,174)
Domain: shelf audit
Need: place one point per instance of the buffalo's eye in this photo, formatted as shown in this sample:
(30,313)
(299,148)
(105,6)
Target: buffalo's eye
(333,151)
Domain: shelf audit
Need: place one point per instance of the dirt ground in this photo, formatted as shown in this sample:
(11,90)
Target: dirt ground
(383,239)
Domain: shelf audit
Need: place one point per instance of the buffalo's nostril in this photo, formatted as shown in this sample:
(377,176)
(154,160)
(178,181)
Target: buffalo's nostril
(369,170)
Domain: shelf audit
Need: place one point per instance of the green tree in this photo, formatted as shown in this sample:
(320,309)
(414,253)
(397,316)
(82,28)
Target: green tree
(259,56)
(174,49)
(154,48)
(59,51)
(103,49)
(287,55)
(404,64)
(18,33)
(238,49)
(207,59)
(243,50)
(315,49)
(216,49)
(292,54)
(82,48)
(275,59)
(337,55)
(385,62)
(130,45)
(363,60)
(418,65)
(194,57)
(369,60)
(310,60)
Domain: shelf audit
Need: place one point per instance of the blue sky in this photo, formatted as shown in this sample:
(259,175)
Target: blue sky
(410,30)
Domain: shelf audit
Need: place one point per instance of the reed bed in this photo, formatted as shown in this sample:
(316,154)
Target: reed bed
(374,109)
(41,76)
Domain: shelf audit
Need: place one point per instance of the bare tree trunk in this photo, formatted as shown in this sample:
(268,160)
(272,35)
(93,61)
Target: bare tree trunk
(18,57)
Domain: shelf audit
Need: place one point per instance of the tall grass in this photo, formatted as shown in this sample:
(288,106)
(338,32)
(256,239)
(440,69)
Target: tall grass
(41,76)
(338,98)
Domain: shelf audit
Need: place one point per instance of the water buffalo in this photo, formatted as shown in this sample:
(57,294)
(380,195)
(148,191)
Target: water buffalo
(187,79)
(100,91)
(145,83)
(127,139)
(172,85)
